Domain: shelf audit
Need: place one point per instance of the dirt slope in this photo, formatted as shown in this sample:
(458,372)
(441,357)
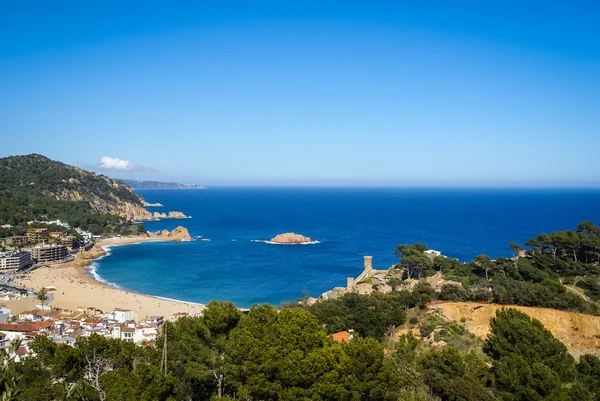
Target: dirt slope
(577,331)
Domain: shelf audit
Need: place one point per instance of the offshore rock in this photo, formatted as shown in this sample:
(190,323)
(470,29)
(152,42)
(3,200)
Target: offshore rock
(290,238)
(176,215)
(158,215)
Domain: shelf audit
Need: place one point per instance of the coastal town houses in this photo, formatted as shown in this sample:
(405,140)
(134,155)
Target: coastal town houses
(25,330)
(37,234)
(14,261)
(17,240)
(65,327)
(123,315)
(48,253)
(38,315)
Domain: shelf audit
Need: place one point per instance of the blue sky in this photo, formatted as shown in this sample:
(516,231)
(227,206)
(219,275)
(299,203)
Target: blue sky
(308,92)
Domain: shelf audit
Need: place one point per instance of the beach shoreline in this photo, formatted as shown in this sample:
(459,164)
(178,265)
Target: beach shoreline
(76,289)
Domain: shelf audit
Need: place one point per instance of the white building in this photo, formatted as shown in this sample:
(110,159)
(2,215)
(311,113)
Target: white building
(432,254)
(122,315)
(15,261)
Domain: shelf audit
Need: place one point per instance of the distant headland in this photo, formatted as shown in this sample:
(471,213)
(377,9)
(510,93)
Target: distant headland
(137,184)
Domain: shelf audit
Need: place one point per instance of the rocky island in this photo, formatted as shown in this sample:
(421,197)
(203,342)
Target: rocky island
(170,215)
(290,238)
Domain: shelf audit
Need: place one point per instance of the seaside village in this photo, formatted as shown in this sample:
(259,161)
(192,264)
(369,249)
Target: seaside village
(49,243)
(40,247)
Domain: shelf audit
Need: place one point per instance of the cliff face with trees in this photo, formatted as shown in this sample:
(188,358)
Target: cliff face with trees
(35,187)
(560,270)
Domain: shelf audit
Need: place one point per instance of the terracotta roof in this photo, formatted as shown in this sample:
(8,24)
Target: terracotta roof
(22,351)
(342,336)
(25,327)
(29,312)
(128,330)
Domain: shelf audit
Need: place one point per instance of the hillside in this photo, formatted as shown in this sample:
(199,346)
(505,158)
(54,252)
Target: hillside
(35,187)
(136,184)
(577,331)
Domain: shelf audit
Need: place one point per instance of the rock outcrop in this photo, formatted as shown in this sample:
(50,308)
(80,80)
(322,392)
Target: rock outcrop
(146,204)
(290,238)
(171,215)
(94,253)
(178,234)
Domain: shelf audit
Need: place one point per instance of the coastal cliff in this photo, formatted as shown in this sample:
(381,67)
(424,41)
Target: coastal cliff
(81,198)
(68,193)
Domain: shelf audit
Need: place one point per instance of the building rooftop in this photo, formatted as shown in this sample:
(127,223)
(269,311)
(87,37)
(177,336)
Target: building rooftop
(341,337)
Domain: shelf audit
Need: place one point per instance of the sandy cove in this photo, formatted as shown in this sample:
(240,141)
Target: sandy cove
(74,289)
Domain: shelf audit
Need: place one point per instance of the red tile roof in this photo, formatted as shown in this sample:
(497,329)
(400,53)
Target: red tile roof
(342,336)
(25,327)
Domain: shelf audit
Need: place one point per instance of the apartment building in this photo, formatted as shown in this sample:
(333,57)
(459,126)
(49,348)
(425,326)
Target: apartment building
(15,261)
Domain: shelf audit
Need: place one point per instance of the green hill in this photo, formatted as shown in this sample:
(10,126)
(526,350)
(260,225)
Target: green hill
(33,187)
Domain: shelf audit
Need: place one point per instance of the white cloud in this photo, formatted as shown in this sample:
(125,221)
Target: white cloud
(114,163)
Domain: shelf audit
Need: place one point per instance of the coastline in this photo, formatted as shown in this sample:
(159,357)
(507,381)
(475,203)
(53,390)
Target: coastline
(77,290)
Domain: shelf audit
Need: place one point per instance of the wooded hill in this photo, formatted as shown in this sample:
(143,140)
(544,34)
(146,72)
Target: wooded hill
(34,187)
(546,275)
(287,355)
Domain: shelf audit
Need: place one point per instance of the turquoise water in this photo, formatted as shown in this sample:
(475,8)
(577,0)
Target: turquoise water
(349,223)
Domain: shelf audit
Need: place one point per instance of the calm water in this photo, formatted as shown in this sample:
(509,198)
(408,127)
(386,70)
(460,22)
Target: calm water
(349,223)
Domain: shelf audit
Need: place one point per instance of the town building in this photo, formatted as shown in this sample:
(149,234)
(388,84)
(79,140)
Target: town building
(15,261)
(48,253)
(37,234)
(123,315)
(16,240)
(70,241)
(55,222)
(432,253)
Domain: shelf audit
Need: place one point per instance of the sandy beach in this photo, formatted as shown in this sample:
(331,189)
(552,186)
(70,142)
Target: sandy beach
(76,290)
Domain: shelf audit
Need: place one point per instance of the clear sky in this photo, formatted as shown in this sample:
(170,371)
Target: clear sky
(308,92)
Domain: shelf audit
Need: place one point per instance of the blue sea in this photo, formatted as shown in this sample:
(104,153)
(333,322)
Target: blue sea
(348,223)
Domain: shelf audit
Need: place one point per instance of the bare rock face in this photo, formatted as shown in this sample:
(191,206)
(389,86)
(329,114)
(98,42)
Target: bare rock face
(126,210)
(146,204)
(290,238)
(171,215)
(93,253)
(178,234)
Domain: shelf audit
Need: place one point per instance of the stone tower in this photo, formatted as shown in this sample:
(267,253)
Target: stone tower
(368,263)
(350,284)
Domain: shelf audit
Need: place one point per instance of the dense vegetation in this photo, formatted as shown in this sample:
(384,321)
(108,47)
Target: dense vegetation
(287,355)
(546,275)
(35,187)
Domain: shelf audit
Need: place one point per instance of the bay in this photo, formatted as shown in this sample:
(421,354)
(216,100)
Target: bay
(348,223)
